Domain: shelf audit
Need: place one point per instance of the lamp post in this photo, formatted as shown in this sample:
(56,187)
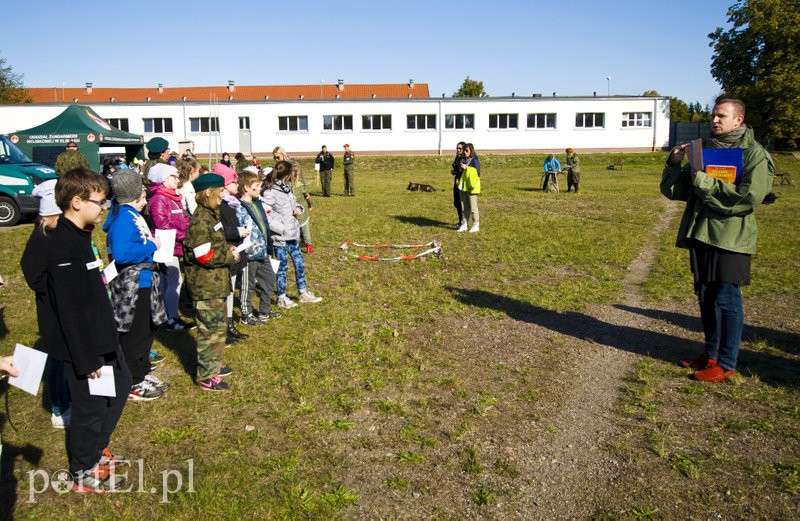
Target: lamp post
(608,79)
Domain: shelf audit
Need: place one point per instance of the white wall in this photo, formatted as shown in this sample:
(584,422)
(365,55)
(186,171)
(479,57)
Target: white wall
(265,133)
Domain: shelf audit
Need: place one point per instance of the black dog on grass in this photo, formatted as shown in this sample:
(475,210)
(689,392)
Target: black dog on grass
(418,187)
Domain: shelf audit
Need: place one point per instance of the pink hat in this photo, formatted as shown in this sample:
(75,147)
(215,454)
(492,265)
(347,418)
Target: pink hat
(227,173)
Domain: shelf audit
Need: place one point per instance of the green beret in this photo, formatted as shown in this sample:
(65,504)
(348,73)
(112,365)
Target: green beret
(157,145)
(207,181)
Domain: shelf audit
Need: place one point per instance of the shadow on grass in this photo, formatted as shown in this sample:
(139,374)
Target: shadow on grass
(786,341)
(3,327)
(423,221)
(184,345)
(771,369)
(8,482)
(536,189)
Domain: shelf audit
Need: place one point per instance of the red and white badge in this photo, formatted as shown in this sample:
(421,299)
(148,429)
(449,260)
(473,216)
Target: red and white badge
(90,138)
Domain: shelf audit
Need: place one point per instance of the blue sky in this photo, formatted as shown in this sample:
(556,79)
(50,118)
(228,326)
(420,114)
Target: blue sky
(568,47)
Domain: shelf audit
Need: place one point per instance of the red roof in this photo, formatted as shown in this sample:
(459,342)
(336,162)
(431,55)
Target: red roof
(239,93)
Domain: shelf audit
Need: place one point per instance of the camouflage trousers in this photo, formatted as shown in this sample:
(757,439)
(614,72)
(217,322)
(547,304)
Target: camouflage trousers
(211,331)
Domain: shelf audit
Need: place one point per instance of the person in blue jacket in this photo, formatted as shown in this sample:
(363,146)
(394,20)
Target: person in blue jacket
(138,306)
(551,168)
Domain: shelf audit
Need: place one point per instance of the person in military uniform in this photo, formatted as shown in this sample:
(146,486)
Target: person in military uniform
(301,193)
(325,161)
(207,256)
(573,165)
(157,152)
(349,172)
(70,159)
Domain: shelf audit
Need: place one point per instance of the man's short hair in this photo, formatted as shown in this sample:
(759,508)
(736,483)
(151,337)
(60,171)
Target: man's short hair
(246,178)
(153,155)
(80,182)
(738,105)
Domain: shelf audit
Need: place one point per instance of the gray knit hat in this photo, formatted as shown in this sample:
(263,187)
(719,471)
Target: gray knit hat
(127,186)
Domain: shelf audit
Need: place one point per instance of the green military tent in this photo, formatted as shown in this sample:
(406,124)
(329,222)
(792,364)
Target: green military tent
(81,124)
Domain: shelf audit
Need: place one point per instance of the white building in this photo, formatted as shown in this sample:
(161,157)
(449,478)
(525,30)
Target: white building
(371,125)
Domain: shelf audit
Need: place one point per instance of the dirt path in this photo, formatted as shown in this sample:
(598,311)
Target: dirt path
(573,468)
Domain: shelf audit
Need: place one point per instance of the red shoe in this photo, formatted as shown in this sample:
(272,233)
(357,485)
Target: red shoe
(309,249)
(701,362)
(713,374)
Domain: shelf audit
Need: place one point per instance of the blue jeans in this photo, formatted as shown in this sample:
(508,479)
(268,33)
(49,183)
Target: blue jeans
(57,388)
(722,314)
(282,253)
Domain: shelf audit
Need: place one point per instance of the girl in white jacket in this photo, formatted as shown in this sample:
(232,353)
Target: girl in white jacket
(285,228)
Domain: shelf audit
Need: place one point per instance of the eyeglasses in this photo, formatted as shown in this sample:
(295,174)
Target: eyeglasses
(459,148)
(101,203)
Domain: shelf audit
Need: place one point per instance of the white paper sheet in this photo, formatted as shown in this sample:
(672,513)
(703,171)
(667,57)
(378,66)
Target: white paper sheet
(30,364)
(246,243)
(110,272)
(103,386)
(275,264)
(167,249)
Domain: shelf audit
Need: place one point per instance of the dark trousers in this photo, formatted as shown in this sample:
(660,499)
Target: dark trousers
(259,275)
(573,179)
(136,343)
(722,313)
(457,202)
(94,418)
(326,176)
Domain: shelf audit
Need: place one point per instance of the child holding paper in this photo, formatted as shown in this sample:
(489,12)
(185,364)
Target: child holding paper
(234,234)
(82,330)
(207,256)
(167,213)
(135,295)
(252,216)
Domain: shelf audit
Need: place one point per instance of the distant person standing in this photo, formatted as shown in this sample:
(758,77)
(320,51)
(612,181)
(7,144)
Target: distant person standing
(157,152)
(325,161)
(551,169)
(226,160)
(719,229)
(70,159)
(455,171)
(470,186)
(349,172)
(573,164)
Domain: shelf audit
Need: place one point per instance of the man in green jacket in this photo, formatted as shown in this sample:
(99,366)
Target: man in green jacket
(719,230)
(70,159)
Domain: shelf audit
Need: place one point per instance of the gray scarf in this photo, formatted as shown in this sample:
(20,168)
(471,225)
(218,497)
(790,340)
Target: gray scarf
(728,140)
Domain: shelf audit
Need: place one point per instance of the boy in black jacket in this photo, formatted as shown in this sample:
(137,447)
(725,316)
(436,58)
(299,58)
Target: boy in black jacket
(83,331)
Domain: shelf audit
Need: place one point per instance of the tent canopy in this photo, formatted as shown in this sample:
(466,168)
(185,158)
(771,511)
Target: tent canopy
(81,124)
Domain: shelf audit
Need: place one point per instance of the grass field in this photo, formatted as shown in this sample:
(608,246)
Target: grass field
(415,390)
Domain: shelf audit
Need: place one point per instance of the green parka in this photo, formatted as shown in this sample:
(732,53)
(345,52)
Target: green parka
(211,280)
(718,213)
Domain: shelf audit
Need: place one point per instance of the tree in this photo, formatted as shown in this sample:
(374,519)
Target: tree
(758,60)
(678,110)
(651,93)
(470,89)
(11,89)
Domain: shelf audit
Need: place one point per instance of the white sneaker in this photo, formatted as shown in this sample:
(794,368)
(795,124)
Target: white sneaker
(462,228)
(307,297)
(61,422)
(286,303)
(156,382)
(475,228)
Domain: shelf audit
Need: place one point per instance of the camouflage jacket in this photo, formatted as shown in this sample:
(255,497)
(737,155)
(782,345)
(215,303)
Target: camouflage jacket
(69,160)
(211,280)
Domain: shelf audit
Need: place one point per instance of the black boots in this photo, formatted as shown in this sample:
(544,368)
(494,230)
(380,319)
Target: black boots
(235,333)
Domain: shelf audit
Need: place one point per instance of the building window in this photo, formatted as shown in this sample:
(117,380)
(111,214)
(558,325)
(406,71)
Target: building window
(204,124)
(158,125)
(293,123)
(637,119)
(459,121)
(337,122)
(590,120)
(502,120)
(421,122)
(120,123)
(244,122)
(542,120)
(376,122)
